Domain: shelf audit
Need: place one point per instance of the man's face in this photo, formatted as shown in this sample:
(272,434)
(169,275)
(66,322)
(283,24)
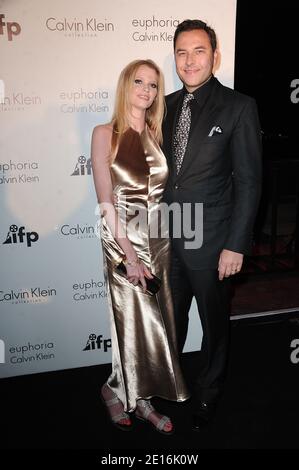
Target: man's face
(194,58)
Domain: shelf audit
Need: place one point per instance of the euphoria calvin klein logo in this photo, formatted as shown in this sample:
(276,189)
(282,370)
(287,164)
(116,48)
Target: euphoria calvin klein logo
(17,234)
(31,352)
(2,352)
(12,28)
(83,167)
(97,342)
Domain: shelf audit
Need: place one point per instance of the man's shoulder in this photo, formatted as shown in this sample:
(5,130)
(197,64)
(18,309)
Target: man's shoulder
(173,96)
(231,95)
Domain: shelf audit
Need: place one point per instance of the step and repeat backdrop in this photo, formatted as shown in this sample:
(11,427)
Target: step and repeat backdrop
(60,61)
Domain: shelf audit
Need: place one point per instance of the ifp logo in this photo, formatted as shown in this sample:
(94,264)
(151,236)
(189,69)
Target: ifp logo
(11,28)
(17,234)
(97,342)
(83,166)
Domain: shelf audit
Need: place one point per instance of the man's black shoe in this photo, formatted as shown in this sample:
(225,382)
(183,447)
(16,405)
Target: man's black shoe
(202,416)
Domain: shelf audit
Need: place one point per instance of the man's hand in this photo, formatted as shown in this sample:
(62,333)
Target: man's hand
(230,263)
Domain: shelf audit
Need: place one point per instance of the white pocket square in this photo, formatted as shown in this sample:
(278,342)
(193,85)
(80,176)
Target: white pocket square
(215,130)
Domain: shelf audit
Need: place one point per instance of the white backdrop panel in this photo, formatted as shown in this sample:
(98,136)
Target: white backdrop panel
(60,61)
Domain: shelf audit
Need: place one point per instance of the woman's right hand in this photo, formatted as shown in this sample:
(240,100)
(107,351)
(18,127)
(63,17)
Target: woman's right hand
(138,273)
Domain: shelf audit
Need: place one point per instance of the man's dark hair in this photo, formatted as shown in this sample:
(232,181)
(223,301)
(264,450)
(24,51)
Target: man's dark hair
(190,25)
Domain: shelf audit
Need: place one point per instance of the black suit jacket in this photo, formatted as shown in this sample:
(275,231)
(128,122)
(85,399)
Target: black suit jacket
(222,171)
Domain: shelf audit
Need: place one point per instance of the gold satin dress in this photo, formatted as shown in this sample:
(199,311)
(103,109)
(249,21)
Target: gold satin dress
(144,356)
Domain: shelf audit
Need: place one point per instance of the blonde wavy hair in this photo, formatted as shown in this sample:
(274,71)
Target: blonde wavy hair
(153,115)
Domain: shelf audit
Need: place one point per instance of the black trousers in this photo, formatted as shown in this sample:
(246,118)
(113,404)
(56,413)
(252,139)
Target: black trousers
(213,301)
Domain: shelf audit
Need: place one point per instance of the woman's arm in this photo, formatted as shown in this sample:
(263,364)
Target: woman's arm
(100,160)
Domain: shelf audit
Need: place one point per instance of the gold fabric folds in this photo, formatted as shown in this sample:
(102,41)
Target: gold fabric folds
(144,357)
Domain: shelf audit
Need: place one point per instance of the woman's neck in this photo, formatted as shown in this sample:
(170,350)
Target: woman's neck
(137,121)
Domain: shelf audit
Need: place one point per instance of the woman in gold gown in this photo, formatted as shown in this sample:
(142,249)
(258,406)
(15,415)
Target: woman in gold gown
(130,173)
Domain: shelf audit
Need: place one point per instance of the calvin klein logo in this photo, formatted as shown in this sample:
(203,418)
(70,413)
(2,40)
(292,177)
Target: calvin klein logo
(26,296)
(17,234)
(88,25)
(12,28)
(97,342)
(78,230)
(83,167)
(18,100)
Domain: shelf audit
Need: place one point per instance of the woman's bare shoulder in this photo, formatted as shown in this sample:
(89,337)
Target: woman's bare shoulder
(103,131)
(101,142)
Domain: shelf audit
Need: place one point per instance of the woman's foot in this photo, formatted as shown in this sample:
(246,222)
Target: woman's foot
(115,409)
(146,412)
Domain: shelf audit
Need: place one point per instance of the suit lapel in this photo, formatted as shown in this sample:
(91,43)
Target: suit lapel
(173,109)
(204,122)
(199,132)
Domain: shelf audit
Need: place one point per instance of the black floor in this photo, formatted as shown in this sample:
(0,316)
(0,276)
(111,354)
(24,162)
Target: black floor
(258,410)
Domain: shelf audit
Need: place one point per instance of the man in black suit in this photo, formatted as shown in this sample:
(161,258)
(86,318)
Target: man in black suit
(215,160)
